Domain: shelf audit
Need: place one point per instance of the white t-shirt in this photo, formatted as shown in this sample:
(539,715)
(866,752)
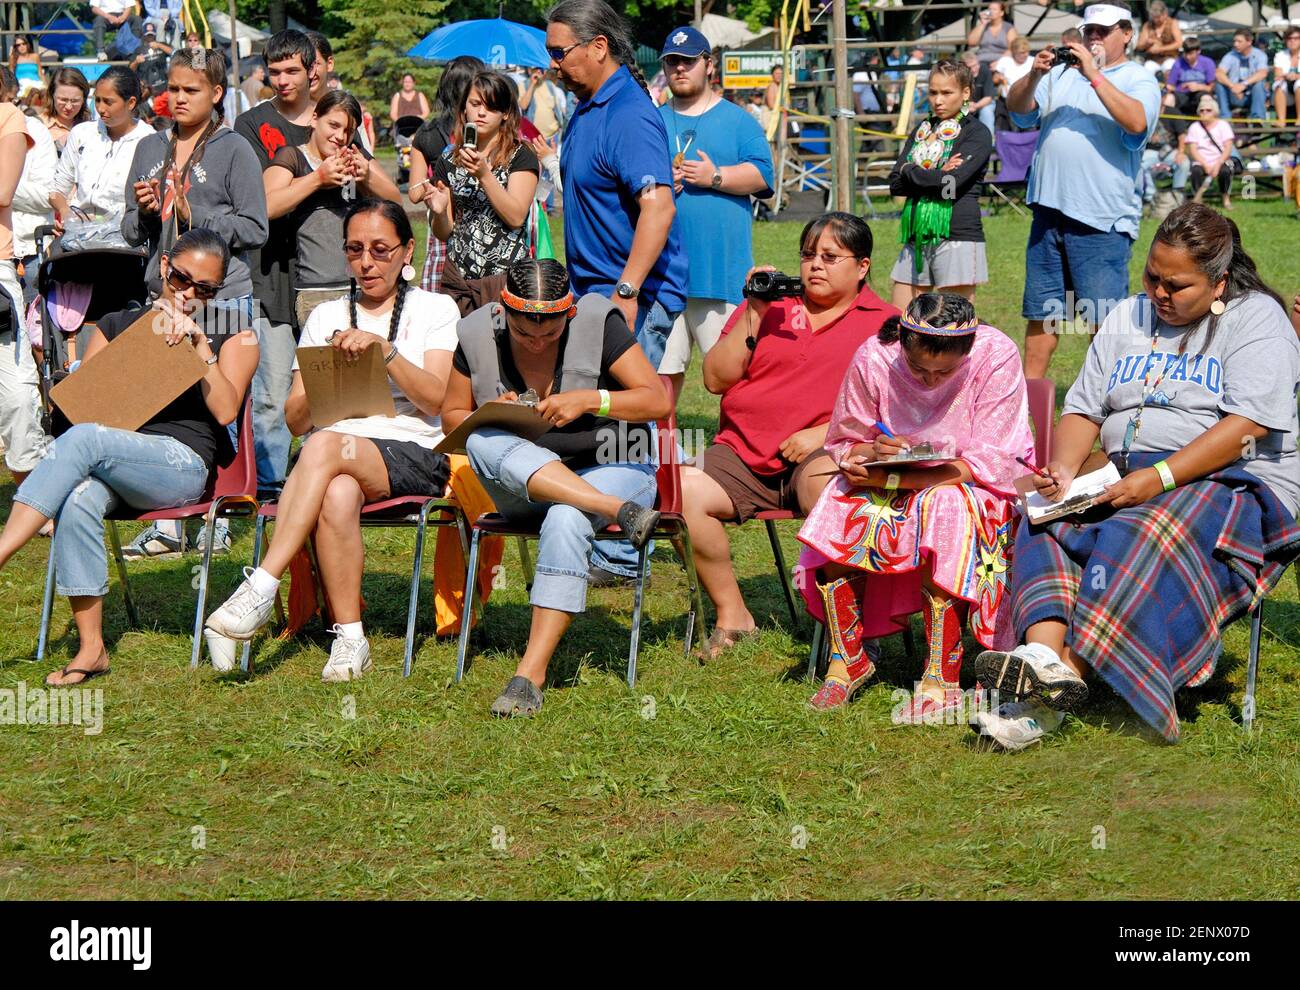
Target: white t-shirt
(1282,60)
(1012,71)
(428,324)
(97,166)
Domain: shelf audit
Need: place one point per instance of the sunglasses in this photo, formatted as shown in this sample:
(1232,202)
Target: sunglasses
(1097,31)
(179,281)
(379,253)
(672,63)
(558,55)
(828,259)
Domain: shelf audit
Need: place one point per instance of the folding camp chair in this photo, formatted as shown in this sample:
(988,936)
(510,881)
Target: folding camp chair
(404,511)
(1042,407)
(1015,150)
(672,526)
(233,495)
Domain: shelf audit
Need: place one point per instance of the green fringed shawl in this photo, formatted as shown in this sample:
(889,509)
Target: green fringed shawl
(927,221)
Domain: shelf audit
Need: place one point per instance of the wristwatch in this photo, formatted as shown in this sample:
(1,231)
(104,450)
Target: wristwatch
(716,182)
(626,290)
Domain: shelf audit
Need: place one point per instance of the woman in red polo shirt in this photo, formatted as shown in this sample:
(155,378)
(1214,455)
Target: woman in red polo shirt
(778,366)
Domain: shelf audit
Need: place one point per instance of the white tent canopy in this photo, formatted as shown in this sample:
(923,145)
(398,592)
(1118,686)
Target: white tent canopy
(727,32)
(1243,13)
(249,36)
(1025,17)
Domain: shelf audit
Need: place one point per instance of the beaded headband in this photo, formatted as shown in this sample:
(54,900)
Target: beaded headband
(947,330)
(537,306)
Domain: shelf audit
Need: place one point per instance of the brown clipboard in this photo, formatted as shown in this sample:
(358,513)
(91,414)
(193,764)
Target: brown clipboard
(338,388)
(518,418)
(132,379)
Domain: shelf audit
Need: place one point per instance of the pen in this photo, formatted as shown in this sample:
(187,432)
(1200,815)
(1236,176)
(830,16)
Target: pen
(1038,471)
(885,429)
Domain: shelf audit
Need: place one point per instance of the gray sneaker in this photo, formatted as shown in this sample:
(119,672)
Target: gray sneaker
(152,544)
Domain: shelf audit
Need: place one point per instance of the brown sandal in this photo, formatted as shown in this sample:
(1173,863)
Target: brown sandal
(720,641)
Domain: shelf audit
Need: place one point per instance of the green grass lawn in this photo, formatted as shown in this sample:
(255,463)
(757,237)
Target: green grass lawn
(703,783)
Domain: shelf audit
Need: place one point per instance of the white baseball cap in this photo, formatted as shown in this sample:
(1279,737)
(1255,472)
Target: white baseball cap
(1105,15)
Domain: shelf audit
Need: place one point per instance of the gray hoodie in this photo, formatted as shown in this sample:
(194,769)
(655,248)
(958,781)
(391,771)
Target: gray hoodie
(225,195)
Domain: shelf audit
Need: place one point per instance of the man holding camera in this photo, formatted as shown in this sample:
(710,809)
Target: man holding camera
(1095,110)
(720,159)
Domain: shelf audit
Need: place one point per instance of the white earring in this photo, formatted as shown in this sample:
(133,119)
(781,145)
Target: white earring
(1217,307)
(408,273)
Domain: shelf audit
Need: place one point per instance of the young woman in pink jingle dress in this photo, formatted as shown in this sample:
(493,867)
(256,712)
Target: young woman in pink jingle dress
(885,542)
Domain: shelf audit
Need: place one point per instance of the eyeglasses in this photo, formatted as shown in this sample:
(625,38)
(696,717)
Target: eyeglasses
(828,259)
(379,253)
(672,63)
(558,55)
(179,281)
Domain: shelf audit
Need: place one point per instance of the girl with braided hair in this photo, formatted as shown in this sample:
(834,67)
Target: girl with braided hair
(346,464)
(197,174)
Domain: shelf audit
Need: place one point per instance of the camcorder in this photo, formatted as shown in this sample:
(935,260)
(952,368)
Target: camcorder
(1064,56)
(772,285)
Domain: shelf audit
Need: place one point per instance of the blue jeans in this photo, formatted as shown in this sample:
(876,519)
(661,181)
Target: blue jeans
(1073,268)
(504,463)
(1255,97)
(271,383)
(653,324)
(91,470)
(988,116)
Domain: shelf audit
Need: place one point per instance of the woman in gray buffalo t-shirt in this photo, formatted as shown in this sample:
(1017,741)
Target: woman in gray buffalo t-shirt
(1191,390)
(315,183)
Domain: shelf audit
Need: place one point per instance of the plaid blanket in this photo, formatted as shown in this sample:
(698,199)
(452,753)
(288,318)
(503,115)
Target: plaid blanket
(1145,591)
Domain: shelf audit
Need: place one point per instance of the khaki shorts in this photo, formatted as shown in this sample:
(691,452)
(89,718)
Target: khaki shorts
(702,321)
(752,493)
(306,300)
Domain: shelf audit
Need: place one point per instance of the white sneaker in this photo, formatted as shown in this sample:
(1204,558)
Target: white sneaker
(349,658)
(223,651)
(243,613)
(1017,724)
(1031,671)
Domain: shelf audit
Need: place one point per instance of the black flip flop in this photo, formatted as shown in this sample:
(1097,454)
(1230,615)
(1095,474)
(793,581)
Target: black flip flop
(86,675)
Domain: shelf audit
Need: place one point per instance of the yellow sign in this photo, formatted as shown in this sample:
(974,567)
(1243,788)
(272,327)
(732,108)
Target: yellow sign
(753,70)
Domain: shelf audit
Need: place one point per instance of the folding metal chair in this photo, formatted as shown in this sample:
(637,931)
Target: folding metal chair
(403,511)
(672,526)
(1015,151)
(233,495)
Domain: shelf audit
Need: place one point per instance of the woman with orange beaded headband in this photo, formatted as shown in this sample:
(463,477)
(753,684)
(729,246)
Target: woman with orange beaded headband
(594,467)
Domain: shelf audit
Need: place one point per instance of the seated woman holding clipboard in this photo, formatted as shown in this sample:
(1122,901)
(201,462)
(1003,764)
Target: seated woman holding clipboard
(1190,387)
(166,463)
(346,463)
(586,472)
(886,540)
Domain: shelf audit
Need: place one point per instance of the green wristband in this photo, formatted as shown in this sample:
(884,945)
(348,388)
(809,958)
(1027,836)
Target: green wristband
(604,403)
(1166,476)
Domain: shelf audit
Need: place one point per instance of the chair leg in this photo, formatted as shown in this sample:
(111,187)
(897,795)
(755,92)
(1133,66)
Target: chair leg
(696,614)
(463,531)
(815,650)
(209,537)
(526,561)
(259,548)
(775,539)
(116,543)
(471,586)
(1252,666)
(642,569)
(47,607)
(413,602)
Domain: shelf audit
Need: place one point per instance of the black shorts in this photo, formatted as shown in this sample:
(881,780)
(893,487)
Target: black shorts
(412,469)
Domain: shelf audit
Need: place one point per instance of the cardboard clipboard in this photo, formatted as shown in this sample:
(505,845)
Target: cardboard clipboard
(518,418)
(339,389)
(132,379)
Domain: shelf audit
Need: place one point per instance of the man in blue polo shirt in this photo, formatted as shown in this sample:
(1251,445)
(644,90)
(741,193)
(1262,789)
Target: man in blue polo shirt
(720,158)
(1094,117)
(620,235)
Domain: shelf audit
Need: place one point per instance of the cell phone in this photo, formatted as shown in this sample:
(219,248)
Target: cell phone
(469,138)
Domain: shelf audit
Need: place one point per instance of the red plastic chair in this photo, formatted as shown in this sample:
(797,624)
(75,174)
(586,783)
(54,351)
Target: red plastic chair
(233,495)
(403,511)
(672,526)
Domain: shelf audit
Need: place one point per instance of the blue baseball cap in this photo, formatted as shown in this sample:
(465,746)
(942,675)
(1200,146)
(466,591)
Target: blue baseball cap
(686,41)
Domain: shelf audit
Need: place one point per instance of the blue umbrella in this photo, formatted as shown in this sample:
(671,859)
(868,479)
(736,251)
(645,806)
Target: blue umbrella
(496,41)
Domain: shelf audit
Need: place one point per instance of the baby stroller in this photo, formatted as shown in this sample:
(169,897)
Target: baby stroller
(404,129)
(115,280)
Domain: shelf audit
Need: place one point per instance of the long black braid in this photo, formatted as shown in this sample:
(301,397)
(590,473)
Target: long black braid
(394,320)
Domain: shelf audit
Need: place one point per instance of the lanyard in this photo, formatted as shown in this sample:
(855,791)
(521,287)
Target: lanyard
(1148,389)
